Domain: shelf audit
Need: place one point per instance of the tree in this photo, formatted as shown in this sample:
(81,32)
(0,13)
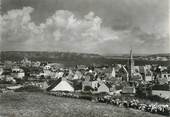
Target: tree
(88,88)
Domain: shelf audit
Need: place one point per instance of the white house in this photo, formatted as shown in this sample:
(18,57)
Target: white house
(166,75)
(47,67)
(18,73)
(53,66)
(61,85)
(77,75)
(59,74)
(103,88)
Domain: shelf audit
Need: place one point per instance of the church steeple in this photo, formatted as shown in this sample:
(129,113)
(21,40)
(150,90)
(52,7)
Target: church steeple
(131,54)
(131,65)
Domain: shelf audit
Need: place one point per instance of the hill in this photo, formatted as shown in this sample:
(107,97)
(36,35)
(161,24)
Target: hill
(43,105)
(160,55)
(73,58)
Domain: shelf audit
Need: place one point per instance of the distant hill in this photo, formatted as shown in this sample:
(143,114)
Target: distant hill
(160,55)
(72,58)
(63,57)
(18,55)
(139,55)
(151,57)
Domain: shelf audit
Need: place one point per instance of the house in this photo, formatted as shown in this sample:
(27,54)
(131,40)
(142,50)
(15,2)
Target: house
(1,70)
(61,85)
(53,74)
(26,62)
(46,73)
(128,91)
(54,66)
(146,73)
(18,73)
(81,67)
(70,74)
(47,67)
(123,73)
(163,80)
(59,74)
(8,78)
(103,88)
(136,77)
(166,74)
(117,67)
(92,84)
(112,88)
(42,85)
(77,84)
(77,75)
(148,76)
(36,64)
(8,64)
(88,76)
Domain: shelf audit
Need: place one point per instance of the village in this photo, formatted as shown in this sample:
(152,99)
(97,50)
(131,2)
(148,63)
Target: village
(117,84)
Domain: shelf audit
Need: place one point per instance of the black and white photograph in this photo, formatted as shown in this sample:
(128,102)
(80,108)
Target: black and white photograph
(84,58)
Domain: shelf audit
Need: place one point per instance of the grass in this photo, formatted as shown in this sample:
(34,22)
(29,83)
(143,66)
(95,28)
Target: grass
(42,105)
(164,94)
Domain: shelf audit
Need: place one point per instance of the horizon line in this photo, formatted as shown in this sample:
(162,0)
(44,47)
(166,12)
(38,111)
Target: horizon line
(107,54)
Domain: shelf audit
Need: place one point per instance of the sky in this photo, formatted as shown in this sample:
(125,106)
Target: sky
(86,26)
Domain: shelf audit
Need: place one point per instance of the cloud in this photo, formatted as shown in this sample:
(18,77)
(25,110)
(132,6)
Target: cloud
(65,31)
(61,31)
(17,25)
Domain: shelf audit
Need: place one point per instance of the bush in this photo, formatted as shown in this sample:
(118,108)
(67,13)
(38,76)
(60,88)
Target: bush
(88,88)
(86,97)
(157,98)
(29,89)
(161,87)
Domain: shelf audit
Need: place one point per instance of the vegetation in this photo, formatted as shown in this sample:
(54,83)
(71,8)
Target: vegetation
(165,87)
(29,89)
(42,105)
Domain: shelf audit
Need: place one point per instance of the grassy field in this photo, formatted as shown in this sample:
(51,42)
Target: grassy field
(43,105)
(164,94)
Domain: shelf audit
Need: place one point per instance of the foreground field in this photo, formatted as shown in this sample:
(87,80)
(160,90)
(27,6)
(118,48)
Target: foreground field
(43,105)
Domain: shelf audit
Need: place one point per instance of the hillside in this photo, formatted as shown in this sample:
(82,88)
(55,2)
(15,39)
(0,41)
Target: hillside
(160,55)
(43,105)
(73,58)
